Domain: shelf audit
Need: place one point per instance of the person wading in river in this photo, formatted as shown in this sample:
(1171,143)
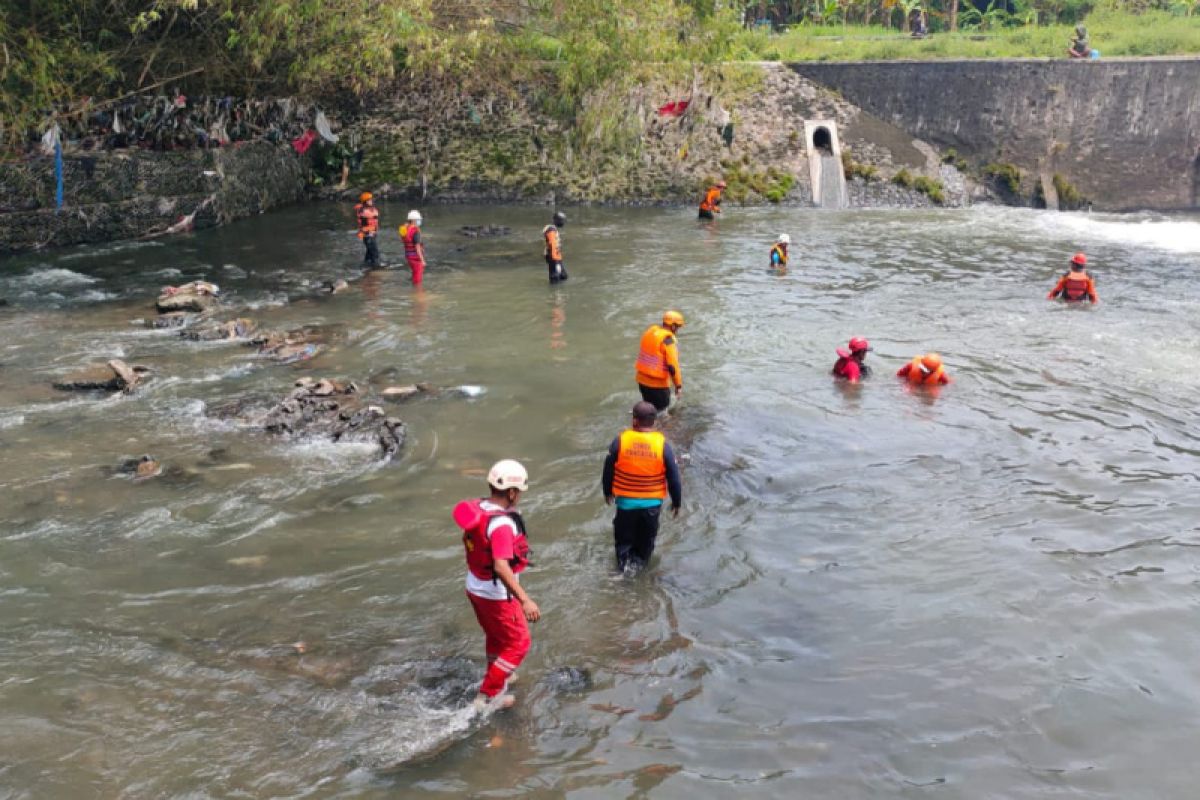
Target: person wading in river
(925,370)
(639,471)
(552,234)
(368,227)
(711,204)
(657,364)
(497,552)
(414,249)
(850,366)
(779,252)
(1076,284)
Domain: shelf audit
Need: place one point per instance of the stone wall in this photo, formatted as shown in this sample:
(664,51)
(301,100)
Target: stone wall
(129,194)
(1125,132)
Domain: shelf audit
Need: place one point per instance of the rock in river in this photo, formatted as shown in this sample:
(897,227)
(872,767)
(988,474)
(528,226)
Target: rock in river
(113,376)
(195,297)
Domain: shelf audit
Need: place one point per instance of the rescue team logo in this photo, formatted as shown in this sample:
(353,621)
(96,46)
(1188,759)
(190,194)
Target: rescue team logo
(639,450)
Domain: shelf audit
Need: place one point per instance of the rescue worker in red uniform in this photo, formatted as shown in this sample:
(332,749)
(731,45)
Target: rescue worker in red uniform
(779,252)
(657,364)
(368,227)
(552,235)
(850,366)
(414,249)
(925,370)
(497,552)
(1076,285)
(639,472)
(711,204)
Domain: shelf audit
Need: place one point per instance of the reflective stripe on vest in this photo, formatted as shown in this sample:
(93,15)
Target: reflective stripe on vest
(639,470)
(408,234)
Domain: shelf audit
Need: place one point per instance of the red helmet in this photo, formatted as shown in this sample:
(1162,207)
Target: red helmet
(1079,259)
(859,343)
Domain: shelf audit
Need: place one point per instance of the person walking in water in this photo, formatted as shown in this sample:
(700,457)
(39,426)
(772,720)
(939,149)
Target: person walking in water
(552,234)
(414,249)
(497,552)
(779,252)
(711,204)
(368,228)
(1076,285)
(639,472)
(658,362)
(925,370)
(850,366)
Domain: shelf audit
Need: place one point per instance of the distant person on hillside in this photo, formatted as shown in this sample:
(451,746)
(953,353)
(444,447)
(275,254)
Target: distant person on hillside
(1080,48)
(1076,285)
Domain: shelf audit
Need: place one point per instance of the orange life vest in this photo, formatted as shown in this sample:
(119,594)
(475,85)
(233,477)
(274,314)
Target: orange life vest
(553,249)
(639,470)
(782,252)
(1075,286)
(368,220)
(653,359)
(409,234)
(917,373)
(711,200)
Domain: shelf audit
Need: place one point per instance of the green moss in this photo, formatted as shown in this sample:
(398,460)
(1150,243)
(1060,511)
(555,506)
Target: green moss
(933,189)
(853,169)
(1068,196)
(904,178)
(951,157)
(1007,175)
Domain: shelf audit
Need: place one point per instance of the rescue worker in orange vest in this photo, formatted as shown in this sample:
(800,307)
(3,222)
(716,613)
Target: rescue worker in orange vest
(639,472)
(658,362)
(553,251)
(925,370)
(779,252)
(497,551)
(368,227)
(711,204)
(1076,285)
(414,249)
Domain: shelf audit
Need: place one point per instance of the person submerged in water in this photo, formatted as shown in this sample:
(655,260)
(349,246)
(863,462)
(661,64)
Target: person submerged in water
(925,370)
(850,366)
(779,252)
(1076,285)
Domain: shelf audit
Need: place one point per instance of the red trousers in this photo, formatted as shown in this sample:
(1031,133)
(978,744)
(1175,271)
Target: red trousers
(418,270)
(506,640)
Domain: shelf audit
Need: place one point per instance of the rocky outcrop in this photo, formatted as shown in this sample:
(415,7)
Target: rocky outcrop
(112,376)
(214,331)
(194,297)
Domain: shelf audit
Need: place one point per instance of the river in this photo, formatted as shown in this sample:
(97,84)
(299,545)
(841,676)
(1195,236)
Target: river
(871,593)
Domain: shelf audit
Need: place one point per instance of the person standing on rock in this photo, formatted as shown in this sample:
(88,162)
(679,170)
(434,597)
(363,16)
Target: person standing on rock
(368,227)
(779,252)
(639,472)
(710,206)
(497,552)
(414,249)
(658,362)
(552,234)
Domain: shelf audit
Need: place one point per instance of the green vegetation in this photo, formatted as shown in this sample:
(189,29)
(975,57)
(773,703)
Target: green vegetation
(772,185)
(1068,196)
(853,169)
(933,189)
(1006,175)
(951,156)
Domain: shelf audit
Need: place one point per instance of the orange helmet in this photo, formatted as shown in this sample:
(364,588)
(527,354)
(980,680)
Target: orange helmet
(1079,259)
(673,318)
(365,196)
(930,362)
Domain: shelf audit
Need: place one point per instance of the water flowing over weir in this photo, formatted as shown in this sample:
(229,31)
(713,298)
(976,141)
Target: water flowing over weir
(990,591)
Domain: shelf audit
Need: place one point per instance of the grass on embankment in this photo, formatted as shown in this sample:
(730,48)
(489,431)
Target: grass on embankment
(1153,33)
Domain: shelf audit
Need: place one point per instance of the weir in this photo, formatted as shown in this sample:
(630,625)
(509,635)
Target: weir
(825,163)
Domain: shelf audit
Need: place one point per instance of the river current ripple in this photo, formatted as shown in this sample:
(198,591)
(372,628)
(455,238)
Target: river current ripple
(871,593)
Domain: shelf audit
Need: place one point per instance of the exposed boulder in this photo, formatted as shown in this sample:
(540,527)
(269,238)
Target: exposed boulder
(214,331)
(112,376)
(195,297)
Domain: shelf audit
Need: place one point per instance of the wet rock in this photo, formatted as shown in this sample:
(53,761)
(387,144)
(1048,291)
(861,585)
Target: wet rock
(112,376)
(334,287)
(479,231)
(213,331)
(173,319)
(398,394)
(289,347)
(196,296)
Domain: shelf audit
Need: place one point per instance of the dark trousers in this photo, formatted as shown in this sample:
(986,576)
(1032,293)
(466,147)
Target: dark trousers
(706,214)
(659,398)
(634,533)
(371,259)
(557,272)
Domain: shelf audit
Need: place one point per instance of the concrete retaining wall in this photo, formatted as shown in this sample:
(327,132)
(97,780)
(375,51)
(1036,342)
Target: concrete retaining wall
(1126,132)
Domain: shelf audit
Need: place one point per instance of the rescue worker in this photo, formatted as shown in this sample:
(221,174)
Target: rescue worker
(1076,284)
(553,250)
(414,249)
(368,227)
(925,370)
(779,252)
(658,362)
(850,366)
(497,551)
(639,472)
(711,204)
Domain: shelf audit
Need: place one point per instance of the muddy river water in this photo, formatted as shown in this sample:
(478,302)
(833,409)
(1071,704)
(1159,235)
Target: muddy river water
(871,593)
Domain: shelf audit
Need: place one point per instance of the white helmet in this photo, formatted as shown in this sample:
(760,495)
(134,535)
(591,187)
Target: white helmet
(414,216)
(784,239)
(508,474)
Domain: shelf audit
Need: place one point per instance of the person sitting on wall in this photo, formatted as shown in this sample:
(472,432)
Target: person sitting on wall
(1079,44)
